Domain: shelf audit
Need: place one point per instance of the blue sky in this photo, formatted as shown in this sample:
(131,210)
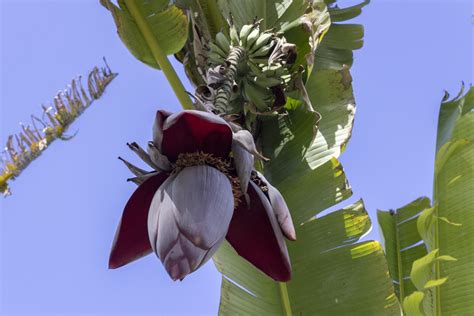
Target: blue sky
(57,228)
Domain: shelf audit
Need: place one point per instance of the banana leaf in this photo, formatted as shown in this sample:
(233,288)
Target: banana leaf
(441,271)
(168,24)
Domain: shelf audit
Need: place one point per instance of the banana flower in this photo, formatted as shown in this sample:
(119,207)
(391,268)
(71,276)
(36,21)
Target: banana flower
(203,189)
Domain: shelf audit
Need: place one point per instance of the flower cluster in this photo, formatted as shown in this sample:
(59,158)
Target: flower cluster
(203,189)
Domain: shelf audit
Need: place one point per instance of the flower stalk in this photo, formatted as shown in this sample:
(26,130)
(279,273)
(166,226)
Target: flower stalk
(236,56)
(160,58)
(21,149)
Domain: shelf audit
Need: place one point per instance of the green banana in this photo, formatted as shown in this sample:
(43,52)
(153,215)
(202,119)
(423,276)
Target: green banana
(217,50)
(273,71)
(255,69)
(234,36)
(223,42)
(261,41)
(257,95)
(215,58)
(264,50)
(266,82)
(253,36)
(258,60)
(244,32)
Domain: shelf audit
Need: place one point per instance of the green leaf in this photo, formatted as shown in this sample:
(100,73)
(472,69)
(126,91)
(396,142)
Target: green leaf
(307,32)
(449,114)
(422,270)
(425,226)
(206,15)
(273,13)
(412,304)
(454,187)
(336,48)
(447,228)
(168,24)
(401,242)
(333,273)
(343,14)
(331,94)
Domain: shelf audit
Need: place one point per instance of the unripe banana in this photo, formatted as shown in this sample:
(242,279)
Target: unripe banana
(215,58)
(261,41)
(257,95)
(223,42)
(256,71)
(244,32)
(217,49)
(264,50)
(272,71)
(234,36)
(253,36)
(266,82)
(258,60)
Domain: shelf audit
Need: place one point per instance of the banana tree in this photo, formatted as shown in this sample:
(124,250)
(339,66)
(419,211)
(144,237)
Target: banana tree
(429,245)
(279,71)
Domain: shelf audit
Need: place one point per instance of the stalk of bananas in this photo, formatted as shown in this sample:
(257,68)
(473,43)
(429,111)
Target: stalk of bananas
(265,67)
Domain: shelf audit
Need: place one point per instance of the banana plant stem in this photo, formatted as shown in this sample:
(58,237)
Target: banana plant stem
(160,58)
(236,55)
(285,299)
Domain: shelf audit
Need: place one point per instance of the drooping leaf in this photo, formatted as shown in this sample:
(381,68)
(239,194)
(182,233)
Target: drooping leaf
(337,45)
(168,24)
(343,14)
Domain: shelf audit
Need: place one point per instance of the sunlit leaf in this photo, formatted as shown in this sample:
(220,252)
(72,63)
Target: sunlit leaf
(168,24)
(444,275)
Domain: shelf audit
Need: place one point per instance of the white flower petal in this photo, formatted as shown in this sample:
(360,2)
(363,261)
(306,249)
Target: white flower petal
(211,252)
(158,158)
(162,237)
(245,139)
(243,161)
(176,263)
(189,217)
(204,204)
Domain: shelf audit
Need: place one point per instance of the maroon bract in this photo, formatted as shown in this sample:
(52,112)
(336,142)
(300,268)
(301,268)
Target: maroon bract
(192,201)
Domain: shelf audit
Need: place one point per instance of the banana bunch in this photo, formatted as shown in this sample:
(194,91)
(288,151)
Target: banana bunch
(219,50)
(258,83)
(258,44)
(257,77)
